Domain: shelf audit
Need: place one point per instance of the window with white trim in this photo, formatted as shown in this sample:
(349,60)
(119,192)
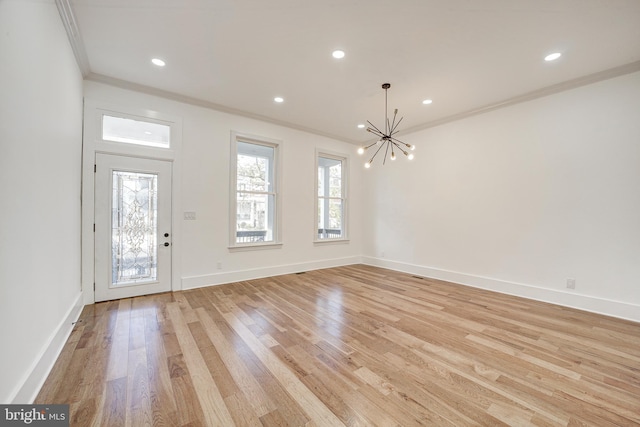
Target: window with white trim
(331,210)
(254,204)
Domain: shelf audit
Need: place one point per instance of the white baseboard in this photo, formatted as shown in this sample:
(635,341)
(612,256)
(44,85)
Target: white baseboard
(35,377)
(589,303)
(257,273)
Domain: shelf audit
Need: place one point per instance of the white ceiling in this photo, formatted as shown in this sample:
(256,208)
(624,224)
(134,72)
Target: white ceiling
(466,55)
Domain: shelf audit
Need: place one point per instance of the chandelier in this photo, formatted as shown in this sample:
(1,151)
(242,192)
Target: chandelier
(386,139)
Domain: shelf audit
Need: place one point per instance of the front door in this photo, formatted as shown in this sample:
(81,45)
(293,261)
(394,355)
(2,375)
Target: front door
(132,227)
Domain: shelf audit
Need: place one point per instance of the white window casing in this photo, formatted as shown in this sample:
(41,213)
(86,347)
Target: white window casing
(254,202)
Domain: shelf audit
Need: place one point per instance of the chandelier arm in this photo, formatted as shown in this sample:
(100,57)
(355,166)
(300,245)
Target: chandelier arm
(395,113)
(375,154)
(400,148)
(386,151)
(376,133)
(375,128)
(401,142)
(396,126)
(370,145)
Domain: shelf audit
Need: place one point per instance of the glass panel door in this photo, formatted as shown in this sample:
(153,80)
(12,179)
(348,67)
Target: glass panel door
(132,226)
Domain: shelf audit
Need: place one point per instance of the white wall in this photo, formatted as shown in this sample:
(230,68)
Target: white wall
(204,189)
(40,137)
(522,198)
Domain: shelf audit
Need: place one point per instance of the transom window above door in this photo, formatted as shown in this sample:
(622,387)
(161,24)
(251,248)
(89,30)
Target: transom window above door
(134,130)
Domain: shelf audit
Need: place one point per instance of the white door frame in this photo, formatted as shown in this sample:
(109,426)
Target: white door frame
(94,144)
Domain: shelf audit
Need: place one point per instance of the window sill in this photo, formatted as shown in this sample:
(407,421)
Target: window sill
(254,247)
(330,242)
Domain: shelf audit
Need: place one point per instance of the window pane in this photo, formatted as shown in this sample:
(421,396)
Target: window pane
(329,177)
(321,186)
(139,132)
(255,167)
(335,214)
(330,214)
(255,217)
(134,228)
(335,180)
(252,173)
(321,215)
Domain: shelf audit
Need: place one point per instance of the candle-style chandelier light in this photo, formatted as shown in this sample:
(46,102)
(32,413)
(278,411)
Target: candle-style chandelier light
(386,139)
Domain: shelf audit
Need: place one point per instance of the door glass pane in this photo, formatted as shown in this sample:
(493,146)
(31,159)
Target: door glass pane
(134,230)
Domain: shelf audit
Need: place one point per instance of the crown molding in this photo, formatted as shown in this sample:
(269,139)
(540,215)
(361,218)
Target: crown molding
(70,25)
(529,96)
(123,84)
(77,45)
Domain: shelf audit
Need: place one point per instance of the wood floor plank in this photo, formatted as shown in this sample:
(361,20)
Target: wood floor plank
(238,404)
(307,400)
(138,395)
(114,413)
(258,401)
(354,345)
(119,351)
(206,391)
(189,410)
(161,397)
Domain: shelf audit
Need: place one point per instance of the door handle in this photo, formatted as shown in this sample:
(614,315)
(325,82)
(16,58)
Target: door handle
(166,244)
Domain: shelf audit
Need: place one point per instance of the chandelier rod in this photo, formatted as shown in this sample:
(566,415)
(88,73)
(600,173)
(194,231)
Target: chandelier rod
(386,113)
(386,87)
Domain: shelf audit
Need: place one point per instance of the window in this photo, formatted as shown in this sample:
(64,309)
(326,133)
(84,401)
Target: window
(331,209)
(254,201)
(133,131)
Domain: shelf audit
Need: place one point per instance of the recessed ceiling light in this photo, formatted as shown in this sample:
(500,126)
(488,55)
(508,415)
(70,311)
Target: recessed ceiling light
(360,126)
(278,99)
(159,62)
(427,101)
(338,54)
(552,56)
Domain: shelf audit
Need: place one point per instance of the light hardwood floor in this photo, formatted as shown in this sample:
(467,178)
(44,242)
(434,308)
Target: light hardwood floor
(353,345)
